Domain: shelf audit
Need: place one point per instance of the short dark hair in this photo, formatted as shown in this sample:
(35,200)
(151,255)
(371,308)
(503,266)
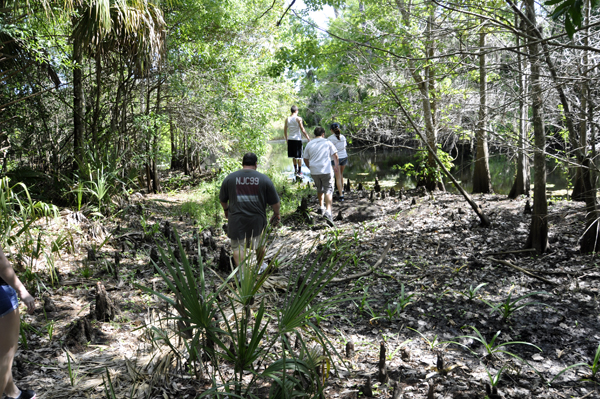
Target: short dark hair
(250,159)
(319,131)
(294,109)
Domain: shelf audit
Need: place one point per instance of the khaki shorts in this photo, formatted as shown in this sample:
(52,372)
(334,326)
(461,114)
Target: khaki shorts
(245,243)
(324,183)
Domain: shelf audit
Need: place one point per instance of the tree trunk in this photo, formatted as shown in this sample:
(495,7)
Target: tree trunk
(573,133)
(579,183)
(77,105)
(148,177)
(522,184)
(114,117)
(174,163)
(186,156)
(538,232)
(593,142)
(156,149)
(96,114)
(481,176)
(590,240)
(430,182)
(594,177)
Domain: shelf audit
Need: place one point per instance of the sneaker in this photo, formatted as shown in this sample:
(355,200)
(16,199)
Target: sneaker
(263,267)
(321,211)
(329,218)
(26,394)
(341,198)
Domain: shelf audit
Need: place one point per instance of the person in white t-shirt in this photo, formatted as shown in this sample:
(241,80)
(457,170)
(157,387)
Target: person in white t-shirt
(318,156)
(291,131)
(339,141)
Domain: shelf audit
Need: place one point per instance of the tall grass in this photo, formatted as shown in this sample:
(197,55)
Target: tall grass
(204,206)
(18,211)
(97,188)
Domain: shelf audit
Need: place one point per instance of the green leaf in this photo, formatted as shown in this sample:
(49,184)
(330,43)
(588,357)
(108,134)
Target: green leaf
(560,10)
(569,27)
(575,13)
(553,2)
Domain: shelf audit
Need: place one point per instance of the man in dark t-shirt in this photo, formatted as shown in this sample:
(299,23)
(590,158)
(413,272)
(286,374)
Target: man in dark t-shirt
(244,197)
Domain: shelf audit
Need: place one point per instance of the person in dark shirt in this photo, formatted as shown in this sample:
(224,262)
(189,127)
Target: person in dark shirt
(10,287)
(244,197)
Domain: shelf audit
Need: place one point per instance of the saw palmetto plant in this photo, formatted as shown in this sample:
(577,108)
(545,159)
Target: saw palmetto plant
(234,324)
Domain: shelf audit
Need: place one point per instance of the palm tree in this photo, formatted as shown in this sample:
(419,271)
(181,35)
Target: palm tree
(134,28)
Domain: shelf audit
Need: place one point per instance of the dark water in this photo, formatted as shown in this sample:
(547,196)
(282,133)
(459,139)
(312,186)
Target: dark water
(365,165)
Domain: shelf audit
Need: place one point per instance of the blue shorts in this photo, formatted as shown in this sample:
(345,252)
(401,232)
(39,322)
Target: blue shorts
(342,161)
(8,300)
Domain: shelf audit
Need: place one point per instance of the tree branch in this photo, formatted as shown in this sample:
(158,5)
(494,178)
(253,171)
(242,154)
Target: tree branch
(268,9)
(505,263)
(286,11)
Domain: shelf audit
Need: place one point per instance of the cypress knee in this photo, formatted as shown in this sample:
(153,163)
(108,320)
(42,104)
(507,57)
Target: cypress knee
(349,349)
(383,375)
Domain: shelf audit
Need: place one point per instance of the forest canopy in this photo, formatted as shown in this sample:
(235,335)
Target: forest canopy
(134,87)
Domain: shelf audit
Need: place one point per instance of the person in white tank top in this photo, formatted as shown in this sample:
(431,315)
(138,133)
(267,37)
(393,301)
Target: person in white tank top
(291,131)
(339,141)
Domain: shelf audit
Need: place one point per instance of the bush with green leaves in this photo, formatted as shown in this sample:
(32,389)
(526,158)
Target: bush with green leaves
(221,326)
(421,170)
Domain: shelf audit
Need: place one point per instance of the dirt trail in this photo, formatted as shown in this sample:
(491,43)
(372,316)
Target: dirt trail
(450,269)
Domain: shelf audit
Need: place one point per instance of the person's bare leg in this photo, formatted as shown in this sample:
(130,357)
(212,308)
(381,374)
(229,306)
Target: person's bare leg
(9,325)
(238,258)
(320,197)
(260,255)
(341,181)
(297,165)
(237,254)
(328,201)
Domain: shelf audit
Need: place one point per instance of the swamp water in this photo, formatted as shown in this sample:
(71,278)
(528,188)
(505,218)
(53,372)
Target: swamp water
(365,165)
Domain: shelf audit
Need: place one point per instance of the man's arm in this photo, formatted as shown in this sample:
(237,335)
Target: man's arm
(336,161)
(285,129)
(302,128)
(225,206)
(306,163)
(224,197)
(276,218)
